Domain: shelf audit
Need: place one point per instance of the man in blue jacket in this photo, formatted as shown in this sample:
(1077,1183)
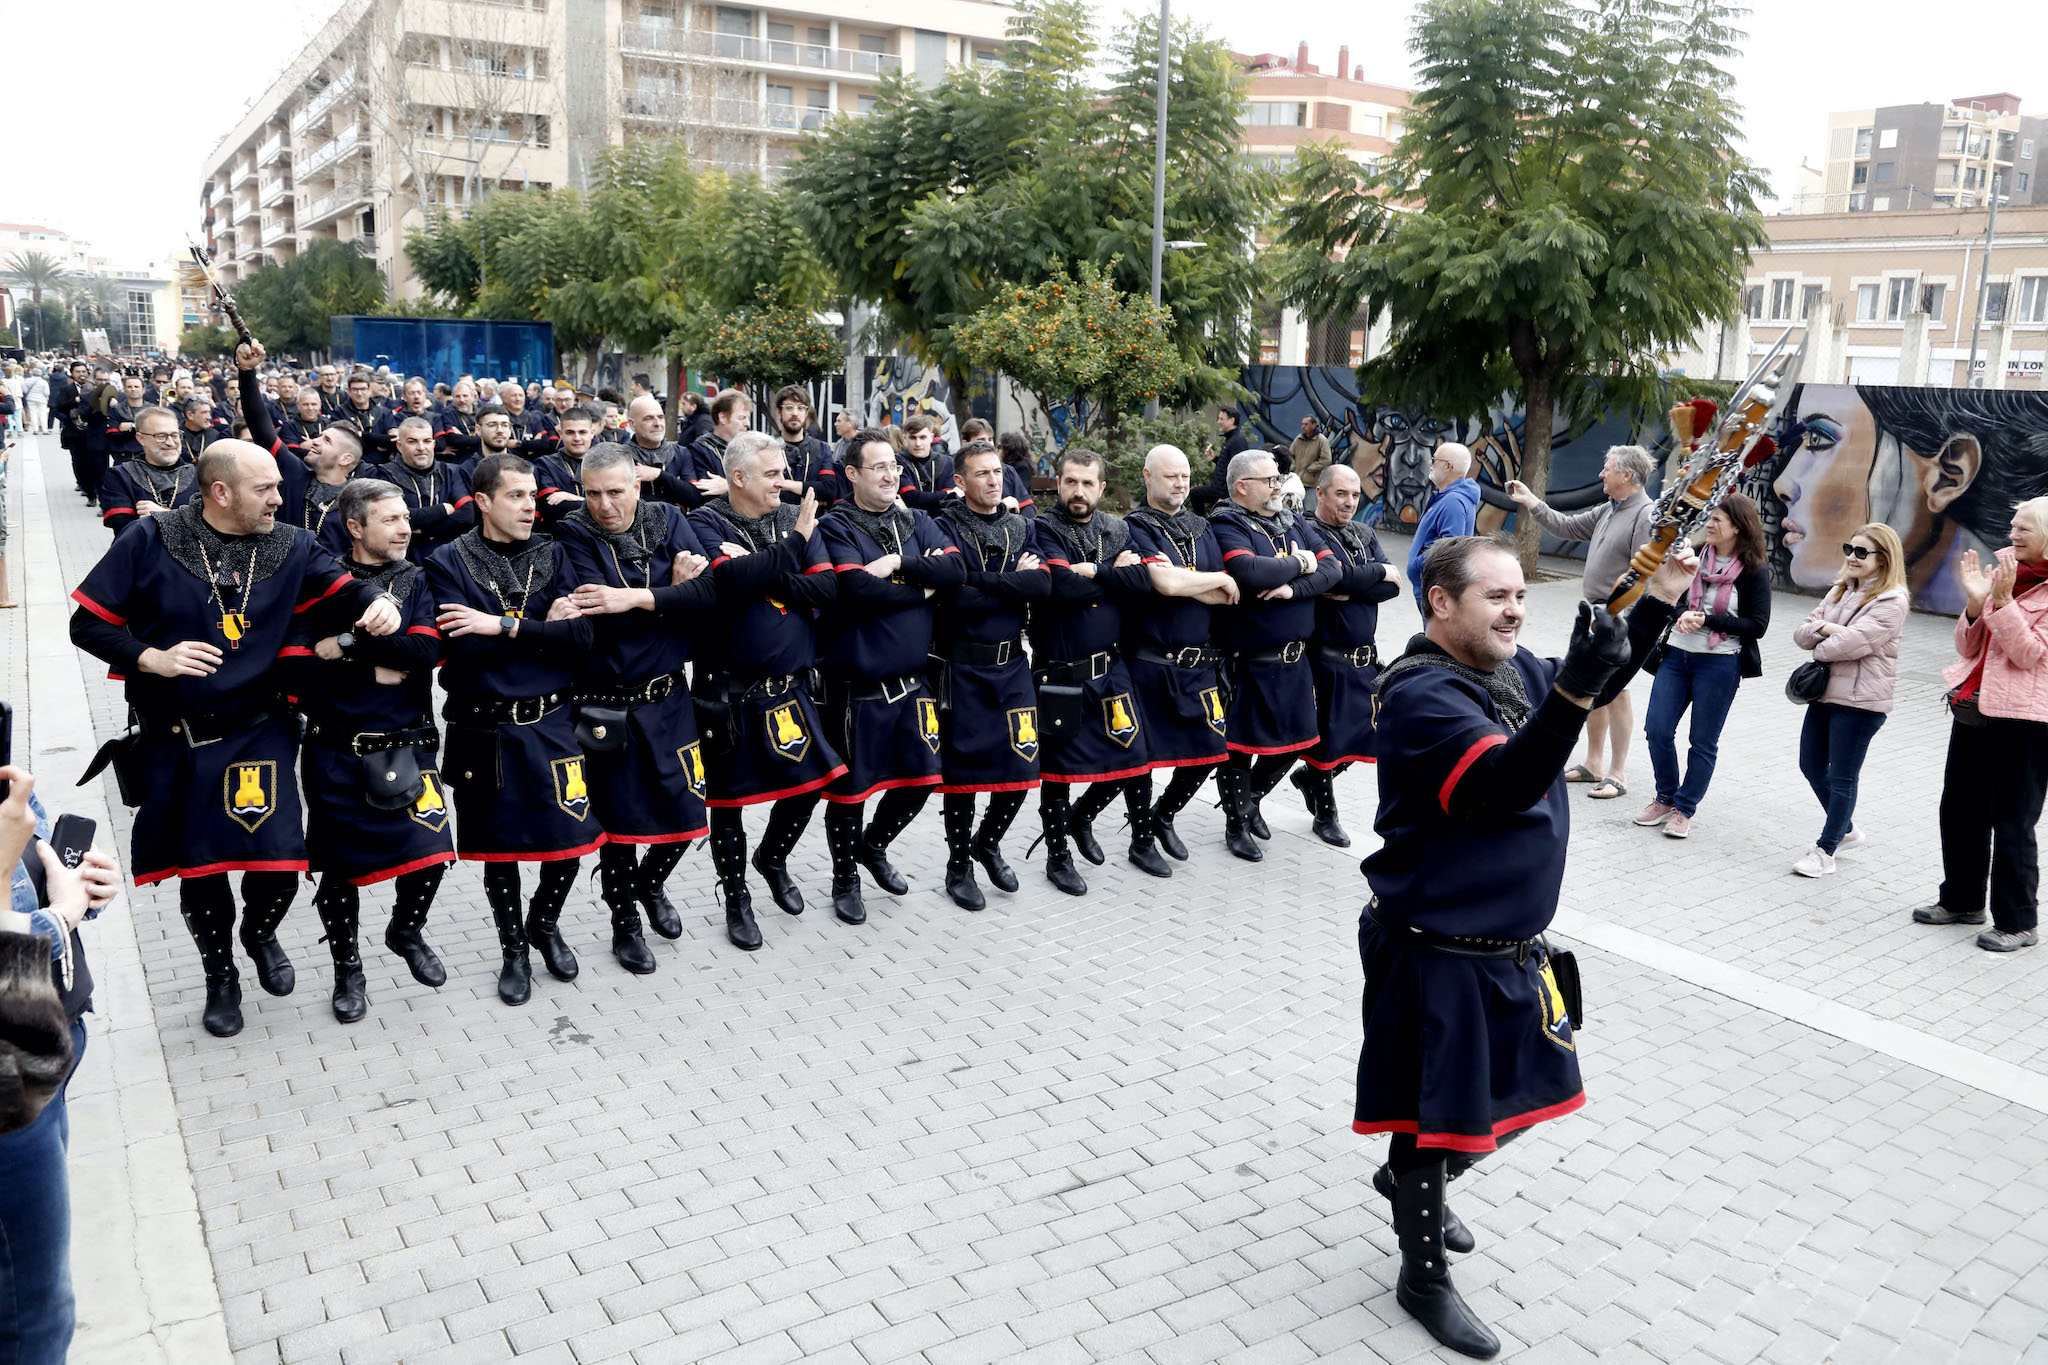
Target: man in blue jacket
(1452,512)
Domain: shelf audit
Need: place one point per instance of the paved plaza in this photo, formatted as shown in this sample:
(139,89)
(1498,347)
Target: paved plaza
(1111,1128)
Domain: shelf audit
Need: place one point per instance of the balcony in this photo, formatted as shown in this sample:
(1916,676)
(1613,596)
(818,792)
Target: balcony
(702,112)
(274,189)
(249,244)
(342,197)
(244,209)
(272,149)
(340,87)
(342,143)
(668,40)
(277,229)
(245,171)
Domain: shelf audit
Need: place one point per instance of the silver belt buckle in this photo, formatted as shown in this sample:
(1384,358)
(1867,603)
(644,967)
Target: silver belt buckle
(1002,652)
(518,710)
(908,685)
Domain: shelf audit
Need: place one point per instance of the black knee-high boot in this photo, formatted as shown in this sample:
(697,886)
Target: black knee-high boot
(787,821)
(988,840)
(1425,1287)
(1054,809)
(729,859)
(657,861)
(501,889)
(208,905)
(1144,852)
(958,809)
(842,839)
(1180,789)
(1403,1155)
(1081,819)
(893,814)
(340,907)
(544,917)
(1318,787)
(618,880)
(1233,785)
(1266,772)
(407,936)
(266,896)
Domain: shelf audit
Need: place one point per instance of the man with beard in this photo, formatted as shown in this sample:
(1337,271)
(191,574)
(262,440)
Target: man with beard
(808,459)
(436,493)
(1166,644)
(696,472)
(414,404)
(457,438)
(160,480)
(890,562)
(560,475)
(360,413)
(310,481)
(94,441)
(533,431)
(927,474)
(641,583)
(287,401)
(990,736)
(198,431)
(184,394)
(513,642)
(190,608)
(1280,565)
(331,397)
(375,807)
(494,434)
(1087,709)
(762,740)
(1343,659)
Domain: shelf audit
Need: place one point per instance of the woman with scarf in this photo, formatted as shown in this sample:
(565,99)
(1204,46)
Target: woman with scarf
(1711,649)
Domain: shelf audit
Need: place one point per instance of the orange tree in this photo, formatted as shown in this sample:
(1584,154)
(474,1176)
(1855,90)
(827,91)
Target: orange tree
(769,343)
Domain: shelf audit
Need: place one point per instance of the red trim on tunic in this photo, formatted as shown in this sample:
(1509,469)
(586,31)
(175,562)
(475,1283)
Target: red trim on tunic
(1061,562)
(1117,776)
(96,609)
(1229,555)
(445,856)
(1189,762)
(969,788)
(552,856)
(1443,796)
(1467,1142)
(462,502)
(840,568)
(815,568)
(887,784)
(295,652)
(423,630)
(332,588)
(1237,748)
(1328,763)
(289,865)
(117,511)
(681,838)
(730,802)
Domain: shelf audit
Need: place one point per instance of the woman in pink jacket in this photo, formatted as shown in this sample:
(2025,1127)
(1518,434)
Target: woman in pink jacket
(1997,770)
(1854,631)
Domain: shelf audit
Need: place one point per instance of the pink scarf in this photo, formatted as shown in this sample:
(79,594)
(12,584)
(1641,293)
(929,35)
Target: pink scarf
(1722,573)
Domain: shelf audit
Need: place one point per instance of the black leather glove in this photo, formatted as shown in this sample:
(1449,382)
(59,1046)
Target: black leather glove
(1599,646)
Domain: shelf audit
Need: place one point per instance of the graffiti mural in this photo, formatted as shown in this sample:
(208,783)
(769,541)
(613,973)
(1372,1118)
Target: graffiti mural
(898,387)
(1942,467)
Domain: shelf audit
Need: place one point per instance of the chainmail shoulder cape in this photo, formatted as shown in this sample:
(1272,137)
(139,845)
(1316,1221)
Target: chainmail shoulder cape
(995,538)
(890,528)
(635,544)
(1352,538)
(1184,528)
(759,533)
(1277,525)
(1504,684)
(397,578)
(206,554)
(1097,540)
(147,477)
(507,573)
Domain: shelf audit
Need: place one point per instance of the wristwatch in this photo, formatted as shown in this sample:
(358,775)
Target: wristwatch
(345,642)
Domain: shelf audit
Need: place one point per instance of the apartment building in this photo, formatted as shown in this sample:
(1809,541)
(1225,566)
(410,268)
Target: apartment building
(400,105)
(1906,157)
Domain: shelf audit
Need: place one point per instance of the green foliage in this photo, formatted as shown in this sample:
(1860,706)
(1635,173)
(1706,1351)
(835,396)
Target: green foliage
(1573,206)
(36,271)
(289,305)
(1078,336)
(7,338)
(940,195)
(47,325)
(205,340)
(769,343)
(1126,445)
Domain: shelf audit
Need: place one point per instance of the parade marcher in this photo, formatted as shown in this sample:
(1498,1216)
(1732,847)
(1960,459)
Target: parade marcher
(1089,724)
(762,740)
(1468,1030)
(199,429)
(329,389)
(363,415)
(533,432)
(384,439)
(191,608)
(285,401)
(158,480)
(560,475)
(512,643)
(890,561)
(456,437)
(309,482)
(68,390)
(121,414)
(1174,668)
(641,583)
(989,712)
(809,460)
(927,475)
(1344,657)
(436,492)
(1281,565)
(694,473)
(376,809)
(305,422)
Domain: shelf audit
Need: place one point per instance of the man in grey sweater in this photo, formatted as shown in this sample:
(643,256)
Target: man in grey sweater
(1612,531)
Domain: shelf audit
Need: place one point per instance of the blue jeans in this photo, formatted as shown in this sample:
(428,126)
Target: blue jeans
(1832,744)
(37,1312)
(1706,683)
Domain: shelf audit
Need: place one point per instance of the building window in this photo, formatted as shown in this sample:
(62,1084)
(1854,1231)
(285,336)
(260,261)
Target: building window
(869,103)
(1888,138)
(1753,302)
(1369,124)
(1860,176)
(1994,302)
(1863,142)
(875,42)
(1809,299)
(1932,298)
(2020,182)
(1880,204)
(1781,299)
(141,321)
(1866,303)
(1855,203)
(1276,114)
(1886,172)
(658,13)
(1899,296)
(2026,149)
(2033,299)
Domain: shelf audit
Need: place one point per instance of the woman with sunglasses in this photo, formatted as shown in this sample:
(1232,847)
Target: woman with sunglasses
(1854,631)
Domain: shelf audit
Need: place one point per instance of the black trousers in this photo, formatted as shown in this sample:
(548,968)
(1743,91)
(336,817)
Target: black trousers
(1991,797)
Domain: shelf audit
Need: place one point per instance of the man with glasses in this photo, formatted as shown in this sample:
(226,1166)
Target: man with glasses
(199,430)
(159,480)
(1453,511)
(331,397)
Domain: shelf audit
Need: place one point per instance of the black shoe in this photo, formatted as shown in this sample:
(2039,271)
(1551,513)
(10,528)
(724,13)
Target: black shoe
(1330,832)
(846,901)
(740,928)
(420,960)
(1082,832)
(876,861)
(1145,857)
(515,977)
(554,949)
(1299,779)
(632,951)
(782,888)
(661,915)
(351,999)
(273,969)
(1238,839)
(1061,872)
(961,886)
(1425,1287)
(1169,839)
(223,1014)
(1322,806)
(991,859)
(1457,1237)
(1255,821)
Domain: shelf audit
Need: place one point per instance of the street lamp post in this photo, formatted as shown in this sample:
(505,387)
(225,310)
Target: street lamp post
(1159,173)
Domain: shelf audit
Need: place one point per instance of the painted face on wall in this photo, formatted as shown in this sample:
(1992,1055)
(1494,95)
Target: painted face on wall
(1823,489)
(1406,441)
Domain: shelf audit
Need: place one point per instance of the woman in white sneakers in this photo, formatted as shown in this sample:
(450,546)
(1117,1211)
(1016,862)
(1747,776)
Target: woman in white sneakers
(1854,631)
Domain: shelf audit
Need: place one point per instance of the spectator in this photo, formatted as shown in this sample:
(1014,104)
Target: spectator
(1204,496)
(1711,649)
(36,395)
(1854,631)
(1611,532)
(1997,770)
(1454,511)
(10,411)
(843,427)
(1308,453)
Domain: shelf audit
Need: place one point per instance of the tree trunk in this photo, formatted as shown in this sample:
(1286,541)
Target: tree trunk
(956,380)
(1538,408)
(675,388)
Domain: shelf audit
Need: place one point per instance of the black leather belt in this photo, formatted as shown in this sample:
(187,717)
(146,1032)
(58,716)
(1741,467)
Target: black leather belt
(887,689)
(487,712)
(208,728)
(1453,945)
(725,687)
(349,741)
(972,652)
(1079,670)
(1194,656)
(654,689)
(1365,656)
(1289,653)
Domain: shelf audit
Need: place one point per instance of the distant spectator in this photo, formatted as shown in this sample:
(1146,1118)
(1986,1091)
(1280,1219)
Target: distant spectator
(1454,511)
(1308,453)
(1204,496)
(36,397)
(1997,772)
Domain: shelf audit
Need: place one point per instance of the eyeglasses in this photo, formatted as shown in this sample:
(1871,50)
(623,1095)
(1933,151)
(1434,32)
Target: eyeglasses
(1857,551)
(156,435)
(890,469)
(1270,480)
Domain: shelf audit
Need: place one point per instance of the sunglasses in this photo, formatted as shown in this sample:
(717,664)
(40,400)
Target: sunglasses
(1857,551)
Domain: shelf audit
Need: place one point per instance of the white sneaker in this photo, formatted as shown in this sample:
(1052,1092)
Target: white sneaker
(1815,863)
(1853,839)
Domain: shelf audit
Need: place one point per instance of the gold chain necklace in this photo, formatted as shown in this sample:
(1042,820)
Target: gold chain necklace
(233,624)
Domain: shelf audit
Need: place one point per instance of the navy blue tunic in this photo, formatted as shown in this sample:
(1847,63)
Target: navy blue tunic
(1273,703)
(1344,701)
(438,500)
(1183,706)
(990,729)
(1081,619)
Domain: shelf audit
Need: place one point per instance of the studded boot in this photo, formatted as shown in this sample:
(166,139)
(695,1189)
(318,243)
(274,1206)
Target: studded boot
(266,896)
(544,919)
(958,808)
(1233,786)
(339,908)
(618,879)
(842,839)
(1319,789)
(657,861)
(1425,1287)
(1054,810)
(208,907)
(515,974)
(988,840)
(1144,854)
(406,934)
(729,857)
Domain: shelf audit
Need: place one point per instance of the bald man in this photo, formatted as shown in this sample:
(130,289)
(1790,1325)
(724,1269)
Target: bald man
(1453,509)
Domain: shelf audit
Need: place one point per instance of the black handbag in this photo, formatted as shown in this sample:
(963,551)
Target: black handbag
(391,777)
(601,729)
(1059,710)
(1564,969)
(1809,682)
(471,755)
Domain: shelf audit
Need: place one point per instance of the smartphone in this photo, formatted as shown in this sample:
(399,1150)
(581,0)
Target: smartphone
(71,838)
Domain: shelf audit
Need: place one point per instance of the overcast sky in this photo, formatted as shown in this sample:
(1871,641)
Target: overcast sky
(127,174)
